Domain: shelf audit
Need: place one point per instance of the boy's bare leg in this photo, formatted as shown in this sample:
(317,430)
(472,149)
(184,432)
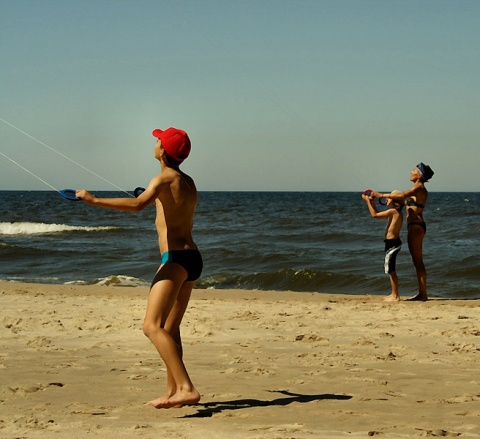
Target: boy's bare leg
(394,296)
(174,330)
(172,326)
(168,300)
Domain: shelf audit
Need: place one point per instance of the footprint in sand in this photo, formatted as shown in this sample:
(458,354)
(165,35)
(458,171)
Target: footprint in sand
(15,325)
(24,391)
(40,342)
(35,423)
(137,377)
(438,432)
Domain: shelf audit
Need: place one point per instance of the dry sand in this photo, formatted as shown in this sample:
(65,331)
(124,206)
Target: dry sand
(74,363)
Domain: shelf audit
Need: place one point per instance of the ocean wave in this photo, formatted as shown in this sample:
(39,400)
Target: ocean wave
(297,280)
(37,280)
(120,281)
(28,228)
(109,281)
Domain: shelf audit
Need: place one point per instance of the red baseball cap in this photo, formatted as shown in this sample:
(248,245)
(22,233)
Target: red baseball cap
(175,142)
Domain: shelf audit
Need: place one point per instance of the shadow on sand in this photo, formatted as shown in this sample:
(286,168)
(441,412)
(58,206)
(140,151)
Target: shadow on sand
(210,408)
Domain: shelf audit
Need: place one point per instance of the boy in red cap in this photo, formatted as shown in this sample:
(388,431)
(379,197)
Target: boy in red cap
(175,196)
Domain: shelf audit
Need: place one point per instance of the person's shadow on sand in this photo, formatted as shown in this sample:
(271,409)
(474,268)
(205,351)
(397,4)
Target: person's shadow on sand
(210,408)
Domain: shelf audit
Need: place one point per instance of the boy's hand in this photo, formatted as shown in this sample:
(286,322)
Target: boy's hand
(86,196)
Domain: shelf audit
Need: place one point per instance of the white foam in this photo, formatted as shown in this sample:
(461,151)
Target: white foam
(28,228)
(121,281)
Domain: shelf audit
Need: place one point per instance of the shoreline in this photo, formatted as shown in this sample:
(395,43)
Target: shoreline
(74,363)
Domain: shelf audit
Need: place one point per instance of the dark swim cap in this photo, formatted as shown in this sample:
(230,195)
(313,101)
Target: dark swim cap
(426,171)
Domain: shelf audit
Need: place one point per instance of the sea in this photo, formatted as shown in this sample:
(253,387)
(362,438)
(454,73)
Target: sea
(312,242)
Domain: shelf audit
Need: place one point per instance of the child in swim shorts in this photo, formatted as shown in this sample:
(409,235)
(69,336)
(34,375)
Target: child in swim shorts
(393,244)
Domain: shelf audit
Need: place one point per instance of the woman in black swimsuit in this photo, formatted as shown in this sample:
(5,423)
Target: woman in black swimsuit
(415,200)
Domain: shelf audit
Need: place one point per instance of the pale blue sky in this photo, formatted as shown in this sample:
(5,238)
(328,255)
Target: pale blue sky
(319,95)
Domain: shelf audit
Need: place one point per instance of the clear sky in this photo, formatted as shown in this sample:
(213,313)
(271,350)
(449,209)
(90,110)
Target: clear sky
(314,95)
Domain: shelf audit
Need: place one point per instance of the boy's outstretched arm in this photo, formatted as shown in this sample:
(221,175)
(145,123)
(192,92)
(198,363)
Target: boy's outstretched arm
(144,200)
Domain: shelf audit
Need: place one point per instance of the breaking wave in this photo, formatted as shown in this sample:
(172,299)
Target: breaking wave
(28,228)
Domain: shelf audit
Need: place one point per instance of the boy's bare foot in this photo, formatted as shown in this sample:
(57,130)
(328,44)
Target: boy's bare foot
(158,401)
(161,403)
(420,297)
(391,298)
(176,401)
(168,394)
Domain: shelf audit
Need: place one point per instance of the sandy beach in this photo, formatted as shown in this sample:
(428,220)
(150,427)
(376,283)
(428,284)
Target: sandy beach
(74,363)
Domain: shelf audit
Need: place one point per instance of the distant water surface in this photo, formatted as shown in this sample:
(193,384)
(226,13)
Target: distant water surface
(299,241)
